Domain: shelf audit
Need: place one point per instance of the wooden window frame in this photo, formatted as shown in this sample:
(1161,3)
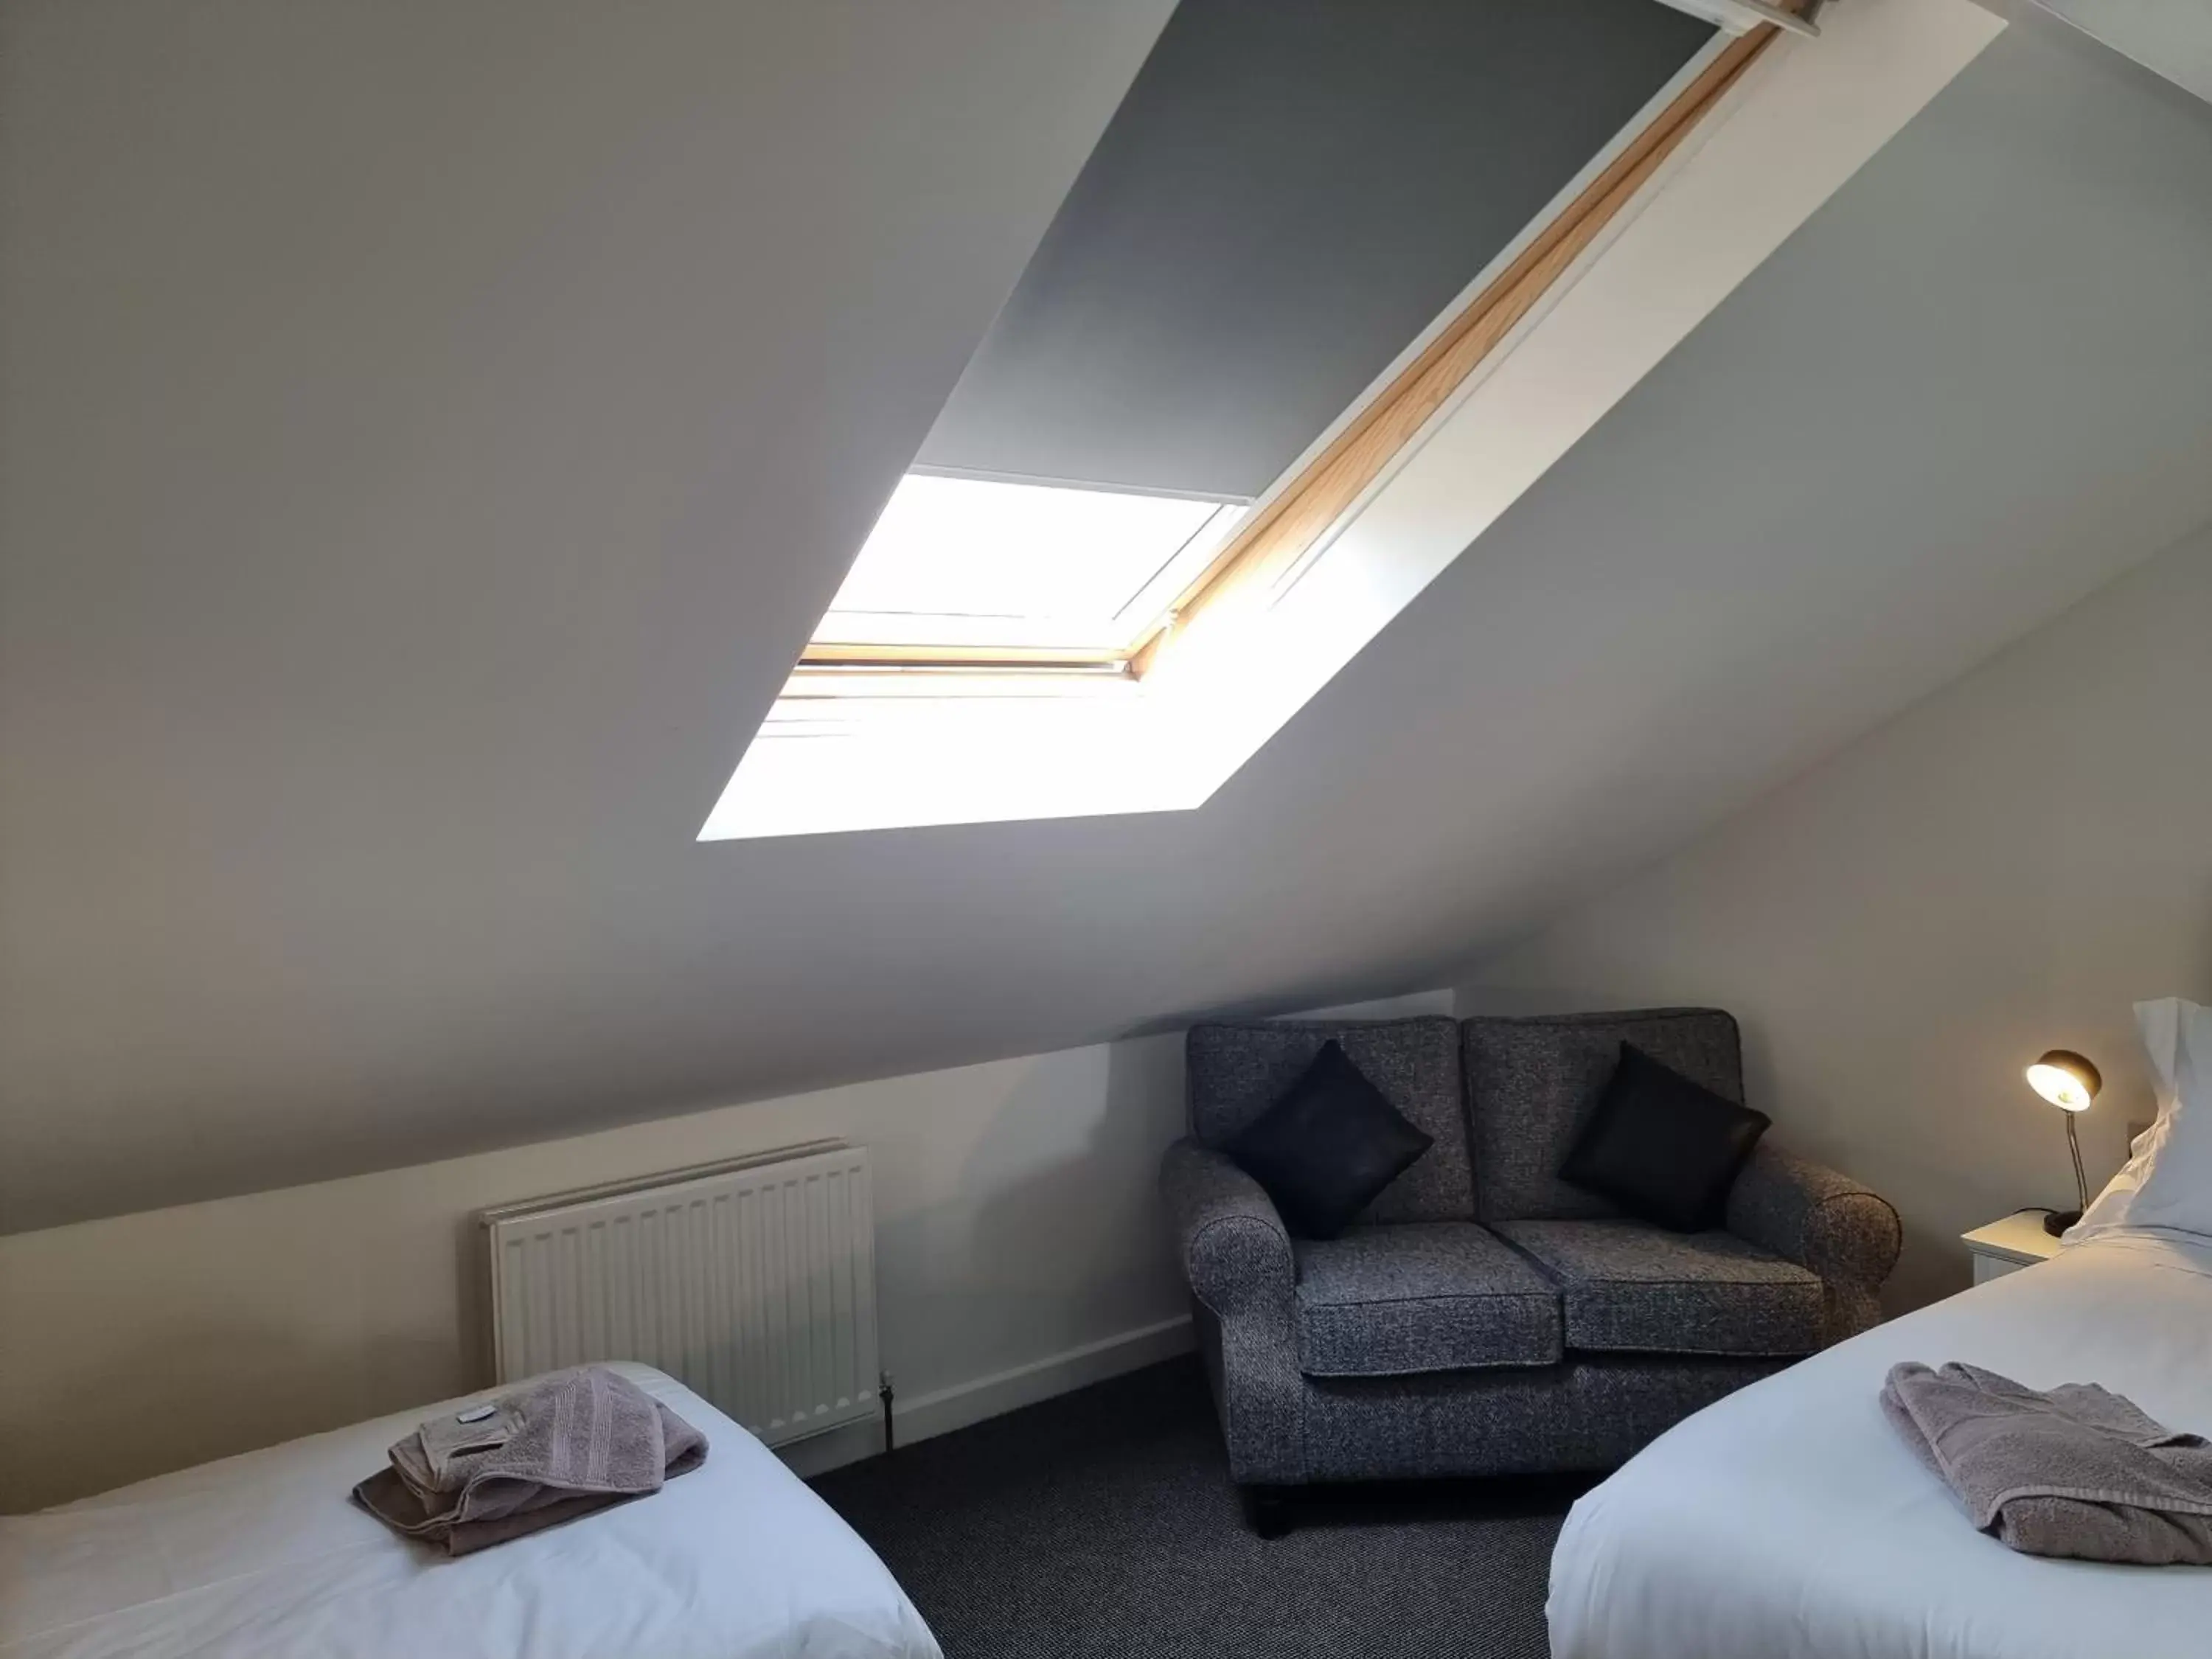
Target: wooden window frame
(1294,518)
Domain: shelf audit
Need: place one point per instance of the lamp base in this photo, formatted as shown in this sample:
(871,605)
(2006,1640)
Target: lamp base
(2059,1220)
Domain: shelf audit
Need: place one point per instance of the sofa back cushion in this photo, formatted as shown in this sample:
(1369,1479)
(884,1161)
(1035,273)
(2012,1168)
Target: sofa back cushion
(1531,1083)
(1237,1071)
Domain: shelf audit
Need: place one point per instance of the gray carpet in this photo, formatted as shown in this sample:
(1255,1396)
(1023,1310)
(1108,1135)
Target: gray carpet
(1103,1524)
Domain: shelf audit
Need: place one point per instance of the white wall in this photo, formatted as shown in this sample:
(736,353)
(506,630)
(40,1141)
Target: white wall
(1015,1221)
(386,591)
(1020,1249)
(2004,868)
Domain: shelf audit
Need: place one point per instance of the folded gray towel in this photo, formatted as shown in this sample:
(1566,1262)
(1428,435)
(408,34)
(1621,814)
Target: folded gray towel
(439,1441)
(2074,1471)
(560,1447)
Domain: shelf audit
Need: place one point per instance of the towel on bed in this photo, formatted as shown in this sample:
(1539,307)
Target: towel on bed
(560,1447)
(2074,1471)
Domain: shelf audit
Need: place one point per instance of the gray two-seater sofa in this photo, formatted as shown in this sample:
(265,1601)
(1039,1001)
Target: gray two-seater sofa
(1482,1316)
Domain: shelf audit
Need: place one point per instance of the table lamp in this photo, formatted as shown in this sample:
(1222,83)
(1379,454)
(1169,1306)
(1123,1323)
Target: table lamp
(2070,1081)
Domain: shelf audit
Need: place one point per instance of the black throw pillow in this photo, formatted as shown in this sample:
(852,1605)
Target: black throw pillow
(1662,1147)
(1328,1146)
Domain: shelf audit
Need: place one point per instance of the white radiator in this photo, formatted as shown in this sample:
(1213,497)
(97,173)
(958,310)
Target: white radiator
(752,1283)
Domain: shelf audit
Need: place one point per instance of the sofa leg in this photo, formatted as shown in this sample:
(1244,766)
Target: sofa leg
(1266,1510)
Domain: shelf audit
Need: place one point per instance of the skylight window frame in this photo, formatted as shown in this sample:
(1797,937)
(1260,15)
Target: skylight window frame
(1286,528)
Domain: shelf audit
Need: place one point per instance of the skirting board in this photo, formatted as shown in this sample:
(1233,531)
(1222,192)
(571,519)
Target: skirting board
(956,1408)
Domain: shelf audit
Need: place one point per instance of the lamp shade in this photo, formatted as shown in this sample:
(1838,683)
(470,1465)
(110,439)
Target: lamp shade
(2066,1079)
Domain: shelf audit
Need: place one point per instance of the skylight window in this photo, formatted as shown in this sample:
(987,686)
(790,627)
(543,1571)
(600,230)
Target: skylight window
(1008,647)
(1000,570)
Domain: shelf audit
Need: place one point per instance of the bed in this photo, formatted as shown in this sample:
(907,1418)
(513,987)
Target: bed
(262,1556)
(1790,1520)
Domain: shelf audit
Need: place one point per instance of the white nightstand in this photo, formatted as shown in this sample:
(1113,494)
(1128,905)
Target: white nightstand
(2006,1246)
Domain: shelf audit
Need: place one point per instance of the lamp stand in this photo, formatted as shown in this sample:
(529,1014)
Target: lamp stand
(2059,1220)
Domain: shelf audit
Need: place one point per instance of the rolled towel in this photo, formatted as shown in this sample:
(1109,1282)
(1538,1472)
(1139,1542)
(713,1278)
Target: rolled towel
(2073,1470)
(561,1446)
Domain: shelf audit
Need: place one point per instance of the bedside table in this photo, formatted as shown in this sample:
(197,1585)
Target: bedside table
(2006,1246)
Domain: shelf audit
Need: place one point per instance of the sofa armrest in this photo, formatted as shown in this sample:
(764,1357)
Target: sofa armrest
(1236,1251)
(1825,1222)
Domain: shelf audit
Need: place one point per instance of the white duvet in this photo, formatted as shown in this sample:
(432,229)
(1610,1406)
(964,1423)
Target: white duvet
(1789,1520)
(262,1556)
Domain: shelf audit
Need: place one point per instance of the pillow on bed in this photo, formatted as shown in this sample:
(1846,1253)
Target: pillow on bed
(2166,1183)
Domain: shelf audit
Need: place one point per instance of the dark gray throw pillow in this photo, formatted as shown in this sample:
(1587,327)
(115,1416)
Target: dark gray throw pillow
(1328,1146)
(1662,1147)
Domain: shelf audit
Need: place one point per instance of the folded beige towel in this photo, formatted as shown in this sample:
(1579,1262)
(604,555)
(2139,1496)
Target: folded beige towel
(2075,1471)
(559,1447)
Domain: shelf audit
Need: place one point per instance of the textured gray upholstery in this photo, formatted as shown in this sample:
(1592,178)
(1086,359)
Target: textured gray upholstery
(1627,1286)
(1237,1071)
(1238,1260)
(1417,1321)
(1424,1295)
(1532,1083)
(1824,1222)
(1589,1414)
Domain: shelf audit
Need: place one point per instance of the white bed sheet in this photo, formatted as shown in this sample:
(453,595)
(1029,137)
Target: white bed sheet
(262,1556)
(1789,1520)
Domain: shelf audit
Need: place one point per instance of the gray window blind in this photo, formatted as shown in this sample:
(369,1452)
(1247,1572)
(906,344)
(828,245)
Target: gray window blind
(1291,191)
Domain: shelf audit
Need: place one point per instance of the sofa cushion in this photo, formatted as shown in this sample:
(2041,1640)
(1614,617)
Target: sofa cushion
(1236,1072)
(1663,1148)
(1328,1147)
(1420,1296)
(1628,1286)
(1531,1083)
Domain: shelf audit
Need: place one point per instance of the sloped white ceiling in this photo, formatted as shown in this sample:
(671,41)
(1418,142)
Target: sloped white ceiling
(424,457)
(2171,37)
